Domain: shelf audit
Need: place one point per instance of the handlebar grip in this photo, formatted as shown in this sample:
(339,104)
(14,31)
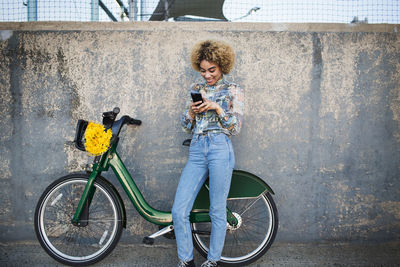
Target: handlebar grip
(136,122)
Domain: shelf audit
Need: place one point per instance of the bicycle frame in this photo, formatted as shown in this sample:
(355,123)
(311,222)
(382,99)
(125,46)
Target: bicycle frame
(243,185)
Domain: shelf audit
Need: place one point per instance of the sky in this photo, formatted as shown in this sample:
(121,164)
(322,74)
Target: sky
(339,11)
(333,11)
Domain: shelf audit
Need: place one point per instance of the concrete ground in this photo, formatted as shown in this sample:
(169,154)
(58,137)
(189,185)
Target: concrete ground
(280,254)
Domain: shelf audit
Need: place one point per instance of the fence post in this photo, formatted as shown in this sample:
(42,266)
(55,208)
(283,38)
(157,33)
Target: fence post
(94,7)
(133,10)
(166,8)
(32,10)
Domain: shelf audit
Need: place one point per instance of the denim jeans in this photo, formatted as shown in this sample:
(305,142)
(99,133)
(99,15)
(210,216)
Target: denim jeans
(210,156)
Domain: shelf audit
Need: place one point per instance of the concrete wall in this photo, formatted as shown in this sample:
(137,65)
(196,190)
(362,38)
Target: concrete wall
(321,125)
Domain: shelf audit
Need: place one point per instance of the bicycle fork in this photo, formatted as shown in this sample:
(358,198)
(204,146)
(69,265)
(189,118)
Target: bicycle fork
(81,216)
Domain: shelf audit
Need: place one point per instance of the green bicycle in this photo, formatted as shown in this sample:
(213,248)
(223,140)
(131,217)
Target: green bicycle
(79,218)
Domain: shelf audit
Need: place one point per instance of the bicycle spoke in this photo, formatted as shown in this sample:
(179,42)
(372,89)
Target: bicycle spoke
(249,239)
(78,243)
(249,206)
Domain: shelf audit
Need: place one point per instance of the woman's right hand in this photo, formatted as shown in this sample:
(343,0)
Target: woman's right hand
(194,108)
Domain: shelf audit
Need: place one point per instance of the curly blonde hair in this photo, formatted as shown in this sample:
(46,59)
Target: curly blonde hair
(213,51)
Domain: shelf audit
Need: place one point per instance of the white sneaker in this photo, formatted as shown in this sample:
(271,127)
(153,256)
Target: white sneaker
(186,263)
(209,263)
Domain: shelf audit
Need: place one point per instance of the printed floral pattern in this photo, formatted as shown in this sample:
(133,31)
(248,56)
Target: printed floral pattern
(229,96)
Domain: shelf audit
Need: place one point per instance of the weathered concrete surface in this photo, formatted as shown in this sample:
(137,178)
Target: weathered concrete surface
(280,254)
(321,126)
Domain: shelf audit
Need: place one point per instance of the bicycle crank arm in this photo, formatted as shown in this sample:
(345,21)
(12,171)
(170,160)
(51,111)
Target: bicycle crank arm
(149,240)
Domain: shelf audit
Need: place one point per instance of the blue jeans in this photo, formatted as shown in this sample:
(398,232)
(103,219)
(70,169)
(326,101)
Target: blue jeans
(210,156)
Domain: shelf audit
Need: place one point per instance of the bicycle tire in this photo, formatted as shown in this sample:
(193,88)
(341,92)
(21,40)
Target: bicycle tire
(77,245)
(255,233)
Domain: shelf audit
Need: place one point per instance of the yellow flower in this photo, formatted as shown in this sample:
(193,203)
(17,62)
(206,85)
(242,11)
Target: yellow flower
(97,139)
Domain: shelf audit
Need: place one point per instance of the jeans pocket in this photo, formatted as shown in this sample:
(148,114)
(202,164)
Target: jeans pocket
(193,143)
(220,139)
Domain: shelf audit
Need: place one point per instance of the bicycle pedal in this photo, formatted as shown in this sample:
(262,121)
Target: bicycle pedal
(148,240)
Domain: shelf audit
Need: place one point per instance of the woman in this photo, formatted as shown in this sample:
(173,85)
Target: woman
(210,154)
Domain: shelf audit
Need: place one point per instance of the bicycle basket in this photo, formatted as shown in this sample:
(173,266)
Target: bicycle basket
(92,137)
(79,134)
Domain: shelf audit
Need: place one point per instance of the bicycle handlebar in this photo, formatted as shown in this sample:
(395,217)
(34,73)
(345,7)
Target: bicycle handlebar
(135,122)
(117,125)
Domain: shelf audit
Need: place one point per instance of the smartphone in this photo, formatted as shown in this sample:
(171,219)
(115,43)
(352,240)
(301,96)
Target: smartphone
(196,96)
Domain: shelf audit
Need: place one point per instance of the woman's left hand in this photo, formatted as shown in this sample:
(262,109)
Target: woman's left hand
(208,105)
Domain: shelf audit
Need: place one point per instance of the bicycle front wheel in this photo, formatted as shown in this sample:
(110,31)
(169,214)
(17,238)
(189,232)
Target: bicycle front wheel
(71,244)
(250,239)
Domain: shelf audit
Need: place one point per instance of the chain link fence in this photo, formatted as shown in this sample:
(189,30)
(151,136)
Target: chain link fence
(295,11)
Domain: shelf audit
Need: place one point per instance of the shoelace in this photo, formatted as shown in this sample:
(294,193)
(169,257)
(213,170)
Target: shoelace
(209,264)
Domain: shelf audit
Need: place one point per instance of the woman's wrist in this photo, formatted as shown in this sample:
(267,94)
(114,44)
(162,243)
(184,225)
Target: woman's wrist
(190,114)
(219,110)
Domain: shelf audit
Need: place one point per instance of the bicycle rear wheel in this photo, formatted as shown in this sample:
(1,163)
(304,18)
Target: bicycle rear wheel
(251,238)
(71,244)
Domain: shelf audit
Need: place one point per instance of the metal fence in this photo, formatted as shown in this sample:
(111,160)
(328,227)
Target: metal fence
(305,11)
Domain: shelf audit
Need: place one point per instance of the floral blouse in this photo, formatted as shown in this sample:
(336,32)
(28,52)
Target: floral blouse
(229,96)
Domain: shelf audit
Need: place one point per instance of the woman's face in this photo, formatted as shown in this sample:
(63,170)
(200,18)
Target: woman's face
(210,71)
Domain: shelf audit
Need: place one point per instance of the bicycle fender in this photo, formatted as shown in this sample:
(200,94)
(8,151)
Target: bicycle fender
(120,201)
(243,185)
(247,185)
